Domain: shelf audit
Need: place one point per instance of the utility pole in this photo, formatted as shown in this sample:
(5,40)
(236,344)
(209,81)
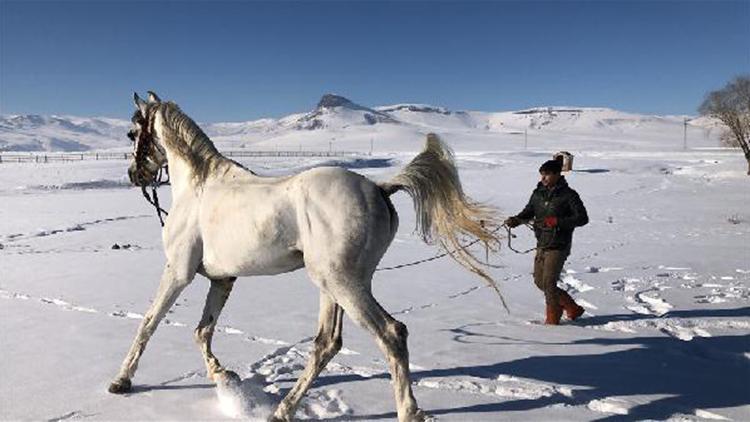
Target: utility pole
(684,134)
(525,139)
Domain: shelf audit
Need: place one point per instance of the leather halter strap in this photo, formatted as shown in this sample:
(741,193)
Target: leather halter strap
(144,143)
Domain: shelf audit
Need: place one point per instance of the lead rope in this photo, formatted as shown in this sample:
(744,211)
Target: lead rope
(487,252)
(155,201)
(422,261)
(513,236)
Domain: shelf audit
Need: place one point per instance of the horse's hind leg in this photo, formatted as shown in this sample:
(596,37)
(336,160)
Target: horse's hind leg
(218,294)
(327,344)
(170,288)
(390,335)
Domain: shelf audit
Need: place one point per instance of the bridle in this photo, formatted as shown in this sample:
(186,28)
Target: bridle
(144,147)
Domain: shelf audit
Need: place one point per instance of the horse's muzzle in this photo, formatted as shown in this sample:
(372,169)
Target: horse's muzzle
(140,176)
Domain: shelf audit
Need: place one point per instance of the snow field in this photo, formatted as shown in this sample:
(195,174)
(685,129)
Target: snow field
(661,270)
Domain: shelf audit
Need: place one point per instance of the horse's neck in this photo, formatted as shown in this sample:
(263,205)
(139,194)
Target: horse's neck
(181,176)
(191,161)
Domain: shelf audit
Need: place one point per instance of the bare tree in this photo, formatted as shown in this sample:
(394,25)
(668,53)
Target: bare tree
(731,105)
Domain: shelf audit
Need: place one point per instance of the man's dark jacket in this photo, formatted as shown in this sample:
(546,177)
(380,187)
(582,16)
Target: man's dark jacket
(559,201)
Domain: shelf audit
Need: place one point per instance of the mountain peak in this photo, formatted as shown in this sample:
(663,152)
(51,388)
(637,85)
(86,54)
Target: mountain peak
(336,110)
(333,100)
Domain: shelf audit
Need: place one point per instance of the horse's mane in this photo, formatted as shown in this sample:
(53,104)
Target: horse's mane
(187,139)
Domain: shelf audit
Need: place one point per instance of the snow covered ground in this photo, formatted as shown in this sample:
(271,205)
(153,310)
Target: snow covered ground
(663,270)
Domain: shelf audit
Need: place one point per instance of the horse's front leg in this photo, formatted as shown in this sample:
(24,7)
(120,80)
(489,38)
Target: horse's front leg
(170,287)
(218,294)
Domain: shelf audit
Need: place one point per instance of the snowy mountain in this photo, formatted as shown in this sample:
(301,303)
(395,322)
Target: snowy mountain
(33,132)
(431,116)
(334,111)
(341,123)
(582,119)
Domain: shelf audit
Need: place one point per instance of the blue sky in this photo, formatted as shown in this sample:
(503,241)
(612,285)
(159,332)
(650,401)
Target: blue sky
(234,60)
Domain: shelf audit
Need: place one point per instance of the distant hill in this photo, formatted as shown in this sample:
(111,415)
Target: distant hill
(337,122)
(33,132)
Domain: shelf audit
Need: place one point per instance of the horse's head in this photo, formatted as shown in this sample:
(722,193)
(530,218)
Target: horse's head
(149,155)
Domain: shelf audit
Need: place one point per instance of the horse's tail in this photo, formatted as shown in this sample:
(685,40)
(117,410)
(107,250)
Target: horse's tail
(444,214)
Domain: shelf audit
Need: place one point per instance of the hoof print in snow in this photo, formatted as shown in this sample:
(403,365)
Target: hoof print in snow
(125,246)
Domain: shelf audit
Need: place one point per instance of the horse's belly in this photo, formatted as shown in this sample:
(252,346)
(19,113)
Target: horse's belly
(231,262)
(242,238)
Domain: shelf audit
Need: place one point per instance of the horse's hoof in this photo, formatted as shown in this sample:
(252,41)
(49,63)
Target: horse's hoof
(120,386)
(228,378)
(422,416)
(280,416)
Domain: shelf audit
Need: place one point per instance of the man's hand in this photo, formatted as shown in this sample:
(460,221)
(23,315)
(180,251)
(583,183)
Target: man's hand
(550,222)
(513,222)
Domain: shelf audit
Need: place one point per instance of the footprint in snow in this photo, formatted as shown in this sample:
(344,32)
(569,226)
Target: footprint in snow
(504,386)
(4,294)
(679,328)
(648,303)
(74,415)
(281,364)
(282,361)
(228,330)
(733,291)
(67,306)
(613,405)
(126,314)
(627,284)
(74,228)
(574,284)
(323,404)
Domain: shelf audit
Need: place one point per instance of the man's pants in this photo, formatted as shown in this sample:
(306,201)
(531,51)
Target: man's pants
(548,264)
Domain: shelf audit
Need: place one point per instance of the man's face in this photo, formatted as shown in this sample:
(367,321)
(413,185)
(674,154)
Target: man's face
(549,179)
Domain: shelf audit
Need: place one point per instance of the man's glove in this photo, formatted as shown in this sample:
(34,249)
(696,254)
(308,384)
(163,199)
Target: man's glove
(550,222)
(513,222)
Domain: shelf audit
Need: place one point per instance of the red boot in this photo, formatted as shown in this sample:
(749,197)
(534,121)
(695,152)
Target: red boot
(554,313)
(572,309)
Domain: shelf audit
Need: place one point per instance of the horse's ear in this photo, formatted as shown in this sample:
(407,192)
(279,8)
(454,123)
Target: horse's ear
(153,98)
(139,103)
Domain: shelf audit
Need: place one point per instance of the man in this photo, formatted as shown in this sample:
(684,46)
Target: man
(556,210)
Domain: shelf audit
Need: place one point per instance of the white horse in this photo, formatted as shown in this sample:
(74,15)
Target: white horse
(225,222)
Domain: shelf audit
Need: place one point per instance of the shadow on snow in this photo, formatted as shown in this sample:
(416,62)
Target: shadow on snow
(704,373)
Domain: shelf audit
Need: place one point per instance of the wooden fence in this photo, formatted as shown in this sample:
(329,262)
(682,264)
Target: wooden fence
(46,157)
